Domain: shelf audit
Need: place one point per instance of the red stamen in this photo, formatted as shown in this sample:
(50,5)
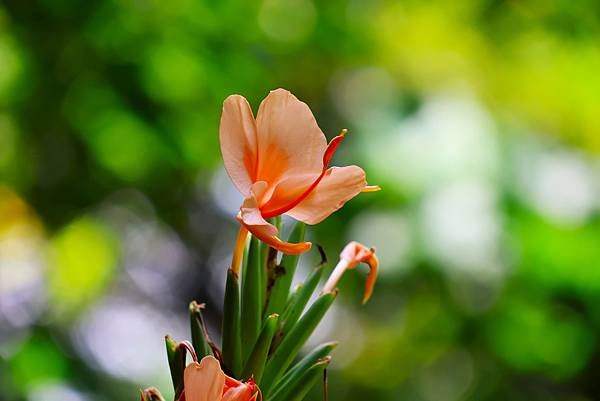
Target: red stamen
(190,348)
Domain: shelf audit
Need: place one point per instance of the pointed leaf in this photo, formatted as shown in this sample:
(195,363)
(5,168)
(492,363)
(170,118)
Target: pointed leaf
(294,340)
(258,357)
(280,279)
(200,339)
(299,387)
(252,299)
(176,358)
(297,370)
(296,307)
(231,347)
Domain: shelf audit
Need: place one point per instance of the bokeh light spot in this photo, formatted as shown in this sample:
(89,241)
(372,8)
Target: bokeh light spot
(38,361)
(173,73)
(83,260)
(287,21)
(11,68)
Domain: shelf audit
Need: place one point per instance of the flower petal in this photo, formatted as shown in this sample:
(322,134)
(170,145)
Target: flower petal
(339,185)
(295,188)
(237,135)
(353,254)
(204,381)
(289,140)
(243,392)
(287,193)
(267,233)
(250,214)
(251,218)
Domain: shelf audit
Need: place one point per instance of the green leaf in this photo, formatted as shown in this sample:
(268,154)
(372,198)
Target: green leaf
(258,357)
(231,347)
(295,308)
(252,299)
(298,369)
(176,358)
(302,383)
(295,339)
(291,301)
(280,279)
(200,339)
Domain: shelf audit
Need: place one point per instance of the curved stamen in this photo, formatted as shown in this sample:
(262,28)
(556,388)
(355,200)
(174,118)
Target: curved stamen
(371,188)
(238,251)
(190,348)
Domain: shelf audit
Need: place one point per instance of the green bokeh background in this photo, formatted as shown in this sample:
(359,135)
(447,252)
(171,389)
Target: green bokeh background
(480,119)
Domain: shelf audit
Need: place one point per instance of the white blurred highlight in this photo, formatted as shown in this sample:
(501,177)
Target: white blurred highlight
(126,339)
(390,234)
(561,185)
(224,194)
(341,325)
(450,137)
(57,391)
(462,228)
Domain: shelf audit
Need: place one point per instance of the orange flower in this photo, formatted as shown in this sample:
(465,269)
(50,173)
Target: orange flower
(353,254)
(280,163)
(205,381)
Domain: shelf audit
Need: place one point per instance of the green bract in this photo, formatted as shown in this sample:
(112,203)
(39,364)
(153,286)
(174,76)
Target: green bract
(264,326)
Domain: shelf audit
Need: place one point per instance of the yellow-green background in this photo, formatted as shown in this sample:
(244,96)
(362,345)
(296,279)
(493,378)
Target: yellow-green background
(480,119)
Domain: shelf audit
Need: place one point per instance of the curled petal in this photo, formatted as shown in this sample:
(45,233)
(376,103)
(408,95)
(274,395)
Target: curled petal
(252,220)
(250,213)
(243,392)
(151,394)
(236,390)
(275,242)
(353,254)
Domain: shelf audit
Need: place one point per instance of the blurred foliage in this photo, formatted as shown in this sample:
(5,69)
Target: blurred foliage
(479,118)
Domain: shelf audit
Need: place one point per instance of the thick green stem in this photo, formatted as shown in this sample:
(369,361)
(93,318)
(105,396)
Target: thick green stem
(231,347)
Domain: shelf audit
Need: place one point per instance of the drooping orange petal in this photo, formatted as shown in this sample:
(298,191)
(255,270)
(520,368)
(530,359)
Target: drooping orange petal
(373,263)
(338,185)
(203,381)
(289,140)
(250,213)
(238,139)
(353,254)
(264,233)
(252,220)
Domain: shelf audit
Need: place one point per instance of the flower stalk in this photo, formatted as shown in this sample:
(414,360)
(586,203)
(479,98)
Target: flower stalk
(280,162)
